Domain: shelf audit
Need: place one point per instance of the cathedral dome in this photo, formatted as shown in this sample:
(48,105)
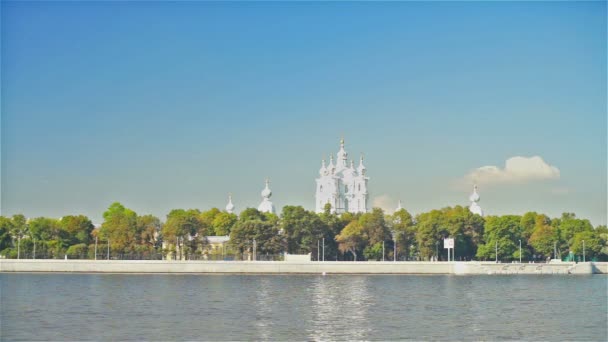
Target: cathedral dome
(474,196)
(230,206)
(266,193)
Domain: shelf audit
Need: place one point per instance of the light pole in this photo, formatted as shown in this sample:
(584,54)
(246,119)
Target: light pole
(34,248)
(323,249)
(96,248)
(397,221)
(520,251)
(382,250)
(437,250)
(555,250)
(318,250)
(583,250)
(255,250)
(19,247)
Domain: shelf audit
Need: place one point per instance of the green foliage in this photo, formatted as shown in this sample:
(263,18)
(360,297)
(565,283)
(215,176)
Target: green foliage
(6,226)
(78,251)
(374,226)
(405,229)
(373,252)
(543,237)
(119,227)
(77,229)
(594,243)
(223,222)
(303,229)
(352,238)
(265,233)
(504,231)
(149,228)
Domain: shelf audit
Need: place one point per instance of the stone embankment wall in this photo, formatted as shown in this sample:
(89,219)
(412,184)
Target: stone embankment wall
(269,267)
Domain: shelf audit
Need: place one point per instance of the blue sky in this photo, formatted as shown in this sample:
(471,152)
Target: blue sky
(167,105)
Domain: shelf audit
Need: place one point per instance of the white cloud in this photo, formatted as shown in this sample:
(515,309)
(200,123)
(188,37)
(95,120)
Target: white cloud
(384,202)
(517,170)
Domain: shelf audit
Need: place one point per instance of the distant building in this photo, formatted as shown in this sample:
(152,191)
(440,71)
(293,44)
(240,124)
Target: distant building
(475,208)
(342,185)
(266,206)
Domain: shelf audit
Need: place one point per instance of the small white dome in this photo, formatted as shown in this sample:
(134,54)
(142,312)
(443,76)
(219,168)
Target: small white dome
(230,206)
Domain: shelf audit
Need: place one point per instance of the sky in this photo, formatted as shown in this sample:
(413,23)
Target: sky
(163,105)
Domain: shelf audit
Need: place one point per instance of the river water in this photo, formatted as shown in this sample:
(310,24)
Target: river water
(302,307)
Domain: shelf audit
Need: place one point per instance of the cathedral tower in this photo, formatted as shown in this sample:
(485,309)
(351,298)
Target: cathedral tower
(342,185)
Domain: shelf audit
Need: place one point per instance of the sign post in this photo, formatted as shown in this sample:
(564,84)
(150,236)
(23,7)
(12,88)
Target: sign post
(449,244)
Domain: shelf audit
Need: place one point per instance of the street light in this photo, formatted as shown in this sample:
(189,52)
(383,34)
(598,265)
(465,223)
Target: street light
(520,251)
(382,250)
(318,250)
(437,250)
(323,249)
(95,247)
(394,232)
(583,250)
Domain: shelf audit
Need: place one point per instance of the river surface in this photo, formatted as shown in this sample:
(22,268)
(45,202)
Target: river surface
(302,307)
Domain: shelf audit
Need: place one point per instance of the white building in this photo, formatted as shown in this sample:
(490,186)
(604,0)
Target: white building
(230,206)
(475,208)
(266,206)
(342,185)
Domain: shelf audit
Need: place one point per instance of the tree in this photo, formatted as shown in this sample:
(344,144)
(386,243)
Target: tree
(405,230)
(351,239)
(78,229)
(6,226)
(223,223)
(430,231)
(501,231)
(265,233)
(543,237)
(569,226)
(527,224)
(302,229)
(185,229)
(593,244)
(207,218)
(149,228)
(375,227)
(120,227)
(49,236)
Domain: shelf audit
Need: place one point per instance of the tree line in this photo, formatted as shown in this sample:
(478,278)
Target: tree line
(366,236)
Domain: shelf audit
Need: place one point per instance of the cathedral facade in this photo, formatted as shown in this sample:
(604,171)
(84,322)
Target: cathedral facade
(342,185)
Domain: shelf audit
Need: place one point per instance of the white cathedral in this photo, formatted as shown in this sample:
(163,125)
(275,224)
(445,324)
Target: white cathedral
(342,185)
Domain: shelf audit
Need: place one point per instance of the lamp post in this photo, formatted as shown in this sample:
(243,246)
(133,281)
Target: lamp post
(382,250)
(95,247)
(34,249)
(437,250)
(323,249)
(394,232)
(555,250)
(520,251)
(318,250)
(255,250)
(583,250)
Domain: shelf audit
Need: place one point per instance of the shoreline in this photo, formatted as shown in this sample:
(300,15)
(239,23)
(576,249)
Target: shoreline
(286,267)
